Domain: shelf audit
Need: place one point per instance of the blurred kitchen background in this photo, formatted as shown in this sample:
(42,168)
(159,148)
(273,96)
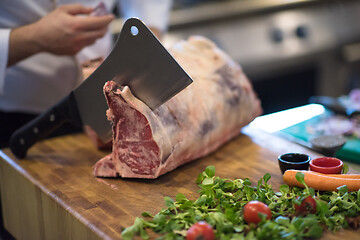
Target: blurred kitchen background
(290,49)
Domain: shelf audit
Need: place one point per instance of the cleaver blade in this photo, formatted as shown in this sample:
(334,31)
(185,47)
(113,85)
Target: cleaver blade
(138,60)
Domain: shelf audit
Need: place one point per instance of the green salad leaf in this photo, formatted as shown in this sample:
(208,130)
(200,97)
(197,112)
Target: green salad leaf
(221,201)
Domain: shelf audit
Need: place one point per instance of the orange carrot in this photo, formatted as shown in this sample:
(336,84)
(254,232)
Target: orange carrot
(351,176)
(321,182)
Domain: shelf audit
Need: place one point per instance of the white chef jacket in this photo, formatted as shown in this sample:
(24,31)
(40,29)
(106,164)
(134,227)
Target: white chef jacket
(38,82)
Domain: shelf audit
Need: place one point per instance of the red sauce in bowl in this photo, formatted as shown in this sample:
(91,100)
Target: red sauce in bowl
(327,165)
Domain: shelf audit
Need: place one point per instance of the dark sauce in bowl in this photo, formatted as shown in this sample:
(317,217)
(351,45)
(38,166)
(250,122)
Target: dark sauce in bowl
(297,161)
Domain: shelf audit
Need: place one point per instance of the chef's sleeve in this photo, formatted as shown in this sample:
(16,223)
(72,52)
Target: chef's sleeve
(4,51)
(154,13)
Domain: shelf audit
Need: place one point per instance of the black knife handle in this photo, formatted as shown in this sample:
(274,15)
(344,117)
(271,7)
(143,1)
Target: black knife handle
(40,127)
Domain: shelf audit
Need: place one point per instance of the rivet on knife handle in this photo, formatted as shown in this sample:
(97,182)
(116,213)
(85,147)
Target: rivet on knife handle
(43,125)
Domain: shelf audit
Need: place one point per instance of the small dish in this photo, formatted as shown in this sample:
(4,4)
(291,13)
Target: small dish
(328,144)
(297,161)
(327,165)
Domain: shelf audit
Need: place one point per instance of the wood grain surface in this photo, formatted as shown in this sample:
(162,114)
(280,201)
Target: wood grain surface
(52,194)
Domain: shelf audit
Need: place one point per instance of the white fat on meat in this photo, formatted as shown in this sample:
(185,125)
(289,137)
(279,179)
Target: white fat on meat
(198,120)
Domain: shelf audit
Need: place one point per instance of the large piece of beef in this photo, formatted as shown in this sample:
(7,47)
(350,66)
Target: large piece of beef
(195,122)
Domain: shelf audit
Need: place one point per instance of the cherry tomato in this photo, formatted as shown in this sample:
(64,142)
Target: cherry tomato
(308,205)
(200,230)
(252,210)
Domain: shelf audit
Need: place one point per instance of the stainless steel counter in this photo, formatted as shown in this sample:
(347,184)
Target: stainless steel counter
(217,10)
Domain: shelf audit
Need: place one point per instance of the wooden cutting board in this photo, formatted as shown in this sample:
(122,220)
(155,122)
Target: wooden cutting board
(53,195)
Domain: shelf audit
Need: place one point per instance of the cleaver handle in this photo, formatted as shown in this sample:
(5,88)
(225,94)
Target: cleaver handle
(40,127)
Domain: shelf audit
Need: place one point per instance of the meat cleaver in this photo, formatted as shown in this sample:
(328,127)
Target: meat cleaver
(138,60)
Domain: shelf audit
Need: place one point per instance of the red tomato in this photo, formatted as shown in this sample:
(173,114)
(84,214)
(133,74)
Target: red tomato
(308,205)
(252,210)
(200,230)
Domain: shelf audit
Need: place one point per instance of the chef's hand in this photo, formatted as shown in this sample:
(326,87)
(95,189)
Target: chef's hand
(64,31)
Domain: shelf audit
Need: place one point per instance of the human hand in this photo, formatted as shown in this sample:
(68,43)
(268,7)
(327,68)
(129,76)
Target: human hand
(68,29)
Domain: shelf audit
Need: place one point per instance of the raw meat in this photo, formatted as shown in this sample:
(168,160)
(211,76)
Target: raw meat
(198,120)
